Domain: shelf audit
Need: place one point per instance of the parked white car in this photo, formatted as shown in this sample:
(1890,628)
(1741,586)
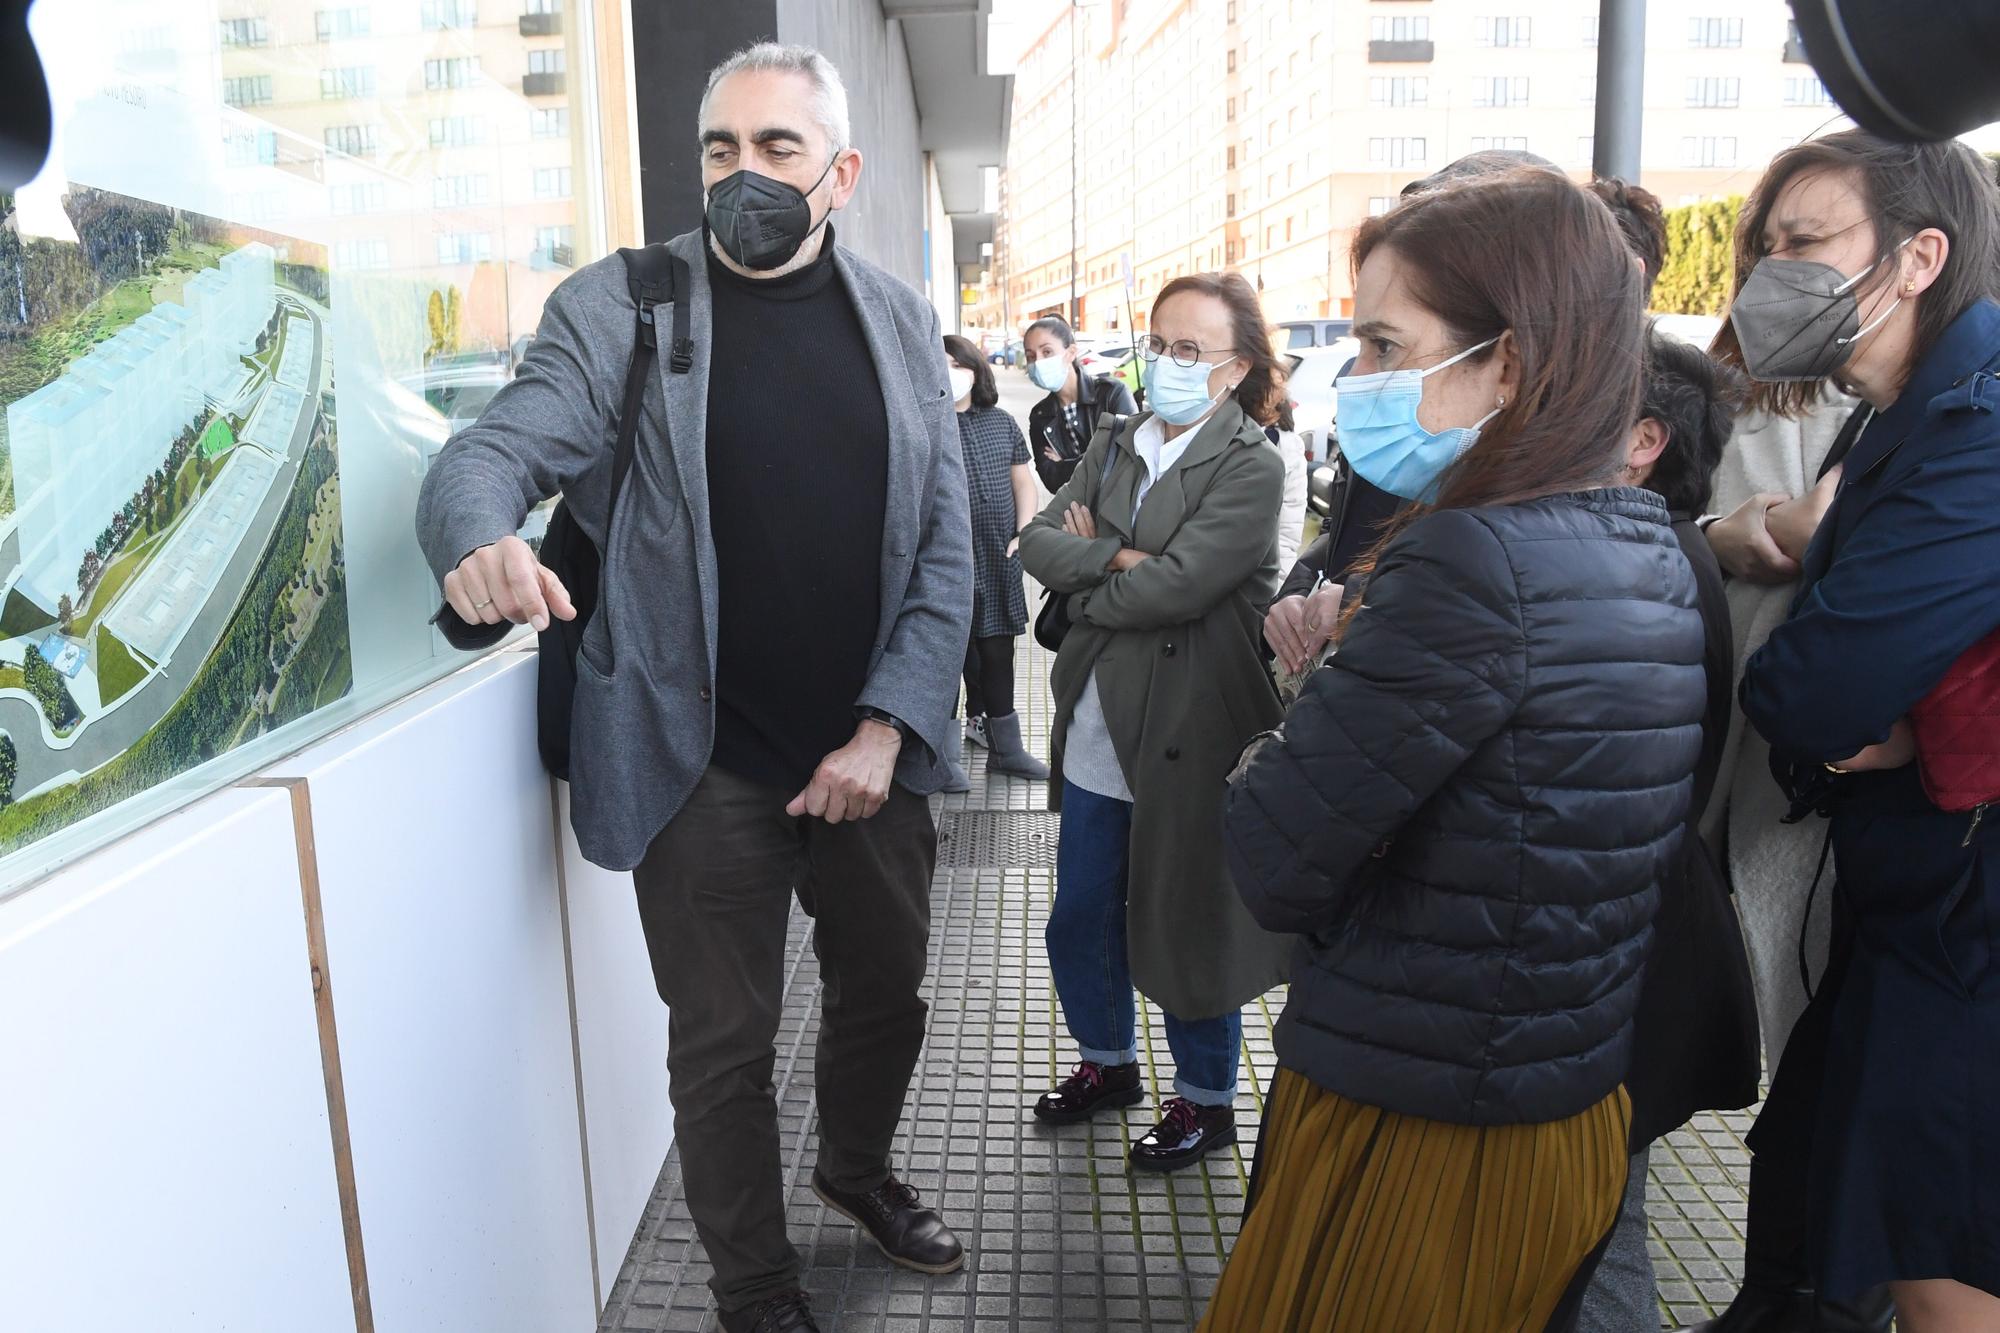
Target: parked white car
(1698,330)
(1313,370)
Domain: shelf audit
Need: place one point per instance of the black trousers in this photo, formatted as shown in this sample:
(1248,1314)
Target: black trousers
(715,895)
(989,676)
(1775,1231)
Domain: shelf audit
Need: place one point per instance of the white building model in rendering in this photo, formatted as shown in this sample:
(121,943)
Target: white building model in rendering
(85,444)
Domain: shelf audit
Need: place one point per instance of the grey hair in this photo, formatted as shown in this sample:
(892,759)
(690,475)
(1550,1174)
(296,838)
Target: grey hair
(829,93)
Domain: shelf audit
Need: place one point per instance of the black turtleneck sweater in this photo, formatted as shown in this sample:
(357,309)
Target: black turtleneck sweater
(798,474)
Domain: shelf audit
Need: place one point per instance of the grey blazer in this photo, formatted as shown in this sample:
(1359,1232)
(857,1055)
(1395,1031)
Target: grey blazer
(644,722)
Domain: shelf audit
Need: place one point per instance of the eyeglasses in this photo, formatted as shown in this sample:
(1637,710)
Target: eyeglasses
(1186,352)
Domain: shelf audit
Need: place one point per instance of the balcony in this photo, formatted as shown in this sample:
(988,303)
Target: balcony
(541,25)
(544,85)
(1402,53)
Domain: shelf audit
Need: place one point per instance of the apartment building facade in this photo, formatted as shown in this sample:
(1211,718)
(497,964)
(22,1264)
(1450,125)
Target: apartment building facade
(1256,134)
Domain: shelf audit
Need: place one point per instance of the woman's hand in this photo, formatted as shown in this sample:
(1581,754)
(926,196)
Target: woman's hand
(1322,616)
(1896,752)
(1078,522)
(1127,559)
(1744,546)
(1284,630)
(1014,547)
(1793,523)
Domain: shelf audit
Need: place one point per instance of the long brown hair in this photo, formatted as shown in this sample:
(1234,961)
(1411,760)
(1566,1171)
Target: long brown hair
(1248,336)
(1531,254)
(1905,188)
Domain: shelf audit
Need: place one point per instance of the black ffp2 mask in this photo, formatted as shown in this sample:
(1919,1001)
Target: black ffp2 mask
(760,222)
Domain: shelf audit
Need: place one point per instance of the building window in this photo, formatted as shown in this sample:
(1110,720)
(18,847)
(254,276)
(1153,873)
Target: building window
(1713,92)
(1382,28)
(1806,91)
(347,81)
(438,14)
(1232,157)
(461,191)
(1399,92)
(546,62)
(1708,151)
(457,131)
(361,254)
(250,148)
(245,32)
(1232,206)
(455,72)
(354,140)
(1378,204)
(336,25)
(1586,90)
(1232,109)
(552,183)
(464,247)
(1517,143)
(1401,152)
(549,122)
(1714,33)
(349,199)
(1590,31)
(1517,31)
(1500,92)
(1232,60)
(251,90)
(556,246)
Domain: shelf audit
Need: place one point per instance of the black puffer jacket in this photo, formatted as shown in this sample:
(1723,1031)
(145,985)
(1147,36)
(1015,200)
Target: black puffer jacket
(1473,807)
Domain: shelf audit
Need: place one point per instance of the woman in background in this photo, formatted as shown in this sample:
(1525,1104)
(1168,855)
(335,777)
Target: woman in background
(1061,424)
(1002,492)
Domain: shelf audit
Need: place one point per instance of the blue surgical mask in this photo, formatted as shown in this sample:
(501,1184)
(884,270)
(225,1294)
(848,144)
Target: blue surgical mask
(1178,394)
(1376,423)
(1049,373)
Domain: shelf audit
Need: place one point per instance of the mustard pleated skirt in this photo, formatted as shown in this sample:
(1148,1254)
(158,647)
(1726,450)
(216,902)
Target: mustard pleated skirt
(1370,1222)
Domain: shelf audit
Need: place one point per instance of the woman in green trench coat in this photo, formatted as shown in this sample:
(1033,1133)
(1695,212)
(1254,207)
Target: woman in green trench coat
(1165,542)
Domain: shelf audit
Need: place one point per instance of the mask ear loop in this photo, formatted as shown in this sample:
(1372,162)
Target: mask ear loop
(1881,319)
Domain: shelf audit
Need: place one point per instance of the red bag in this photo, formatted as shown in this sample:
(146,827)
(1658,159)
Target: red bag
(1957,727)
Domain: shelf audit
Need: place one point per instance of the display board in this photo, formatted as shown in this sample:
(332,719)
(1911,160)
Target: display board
(280,252)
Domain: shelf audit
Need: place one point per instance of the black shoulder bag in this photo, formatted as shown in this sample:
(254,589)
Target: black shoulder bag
(654,277)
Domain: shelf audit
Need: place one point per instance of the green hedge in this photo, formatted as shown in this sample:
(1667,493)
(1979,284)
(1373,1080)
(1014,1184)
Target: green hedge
(1701,242)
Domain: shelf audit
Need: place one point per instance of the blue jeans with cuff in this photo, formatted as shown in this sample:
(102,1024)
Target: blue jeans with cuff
(1086,942)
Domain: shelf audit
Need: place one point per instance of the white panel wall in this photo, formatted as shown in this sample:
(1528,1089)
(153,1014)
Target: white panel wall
(437,861)
(165,1162)
(622,1037)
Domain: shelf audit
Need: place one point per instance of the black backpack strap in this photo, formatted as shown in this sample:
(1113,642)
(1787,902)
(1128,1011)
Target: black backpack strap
(655,277)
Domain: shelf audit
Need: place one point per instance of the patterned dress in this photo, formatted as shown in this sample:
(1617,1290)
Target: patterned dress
(993,446)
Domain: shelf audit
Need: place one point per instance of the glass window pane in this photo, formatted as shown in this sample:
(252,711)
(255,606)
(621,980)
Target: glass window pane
(304,247)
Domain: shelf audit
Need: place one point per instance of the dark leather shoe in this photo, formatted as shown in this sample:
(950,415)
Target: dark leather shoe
(910,1234)
(1089,1089)
(1186,1134)
(788,1313)
(1764,1309)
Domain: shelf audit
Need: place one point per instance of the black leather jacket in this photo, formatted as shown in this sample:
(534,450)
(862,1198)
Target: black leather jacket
(1046,431)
